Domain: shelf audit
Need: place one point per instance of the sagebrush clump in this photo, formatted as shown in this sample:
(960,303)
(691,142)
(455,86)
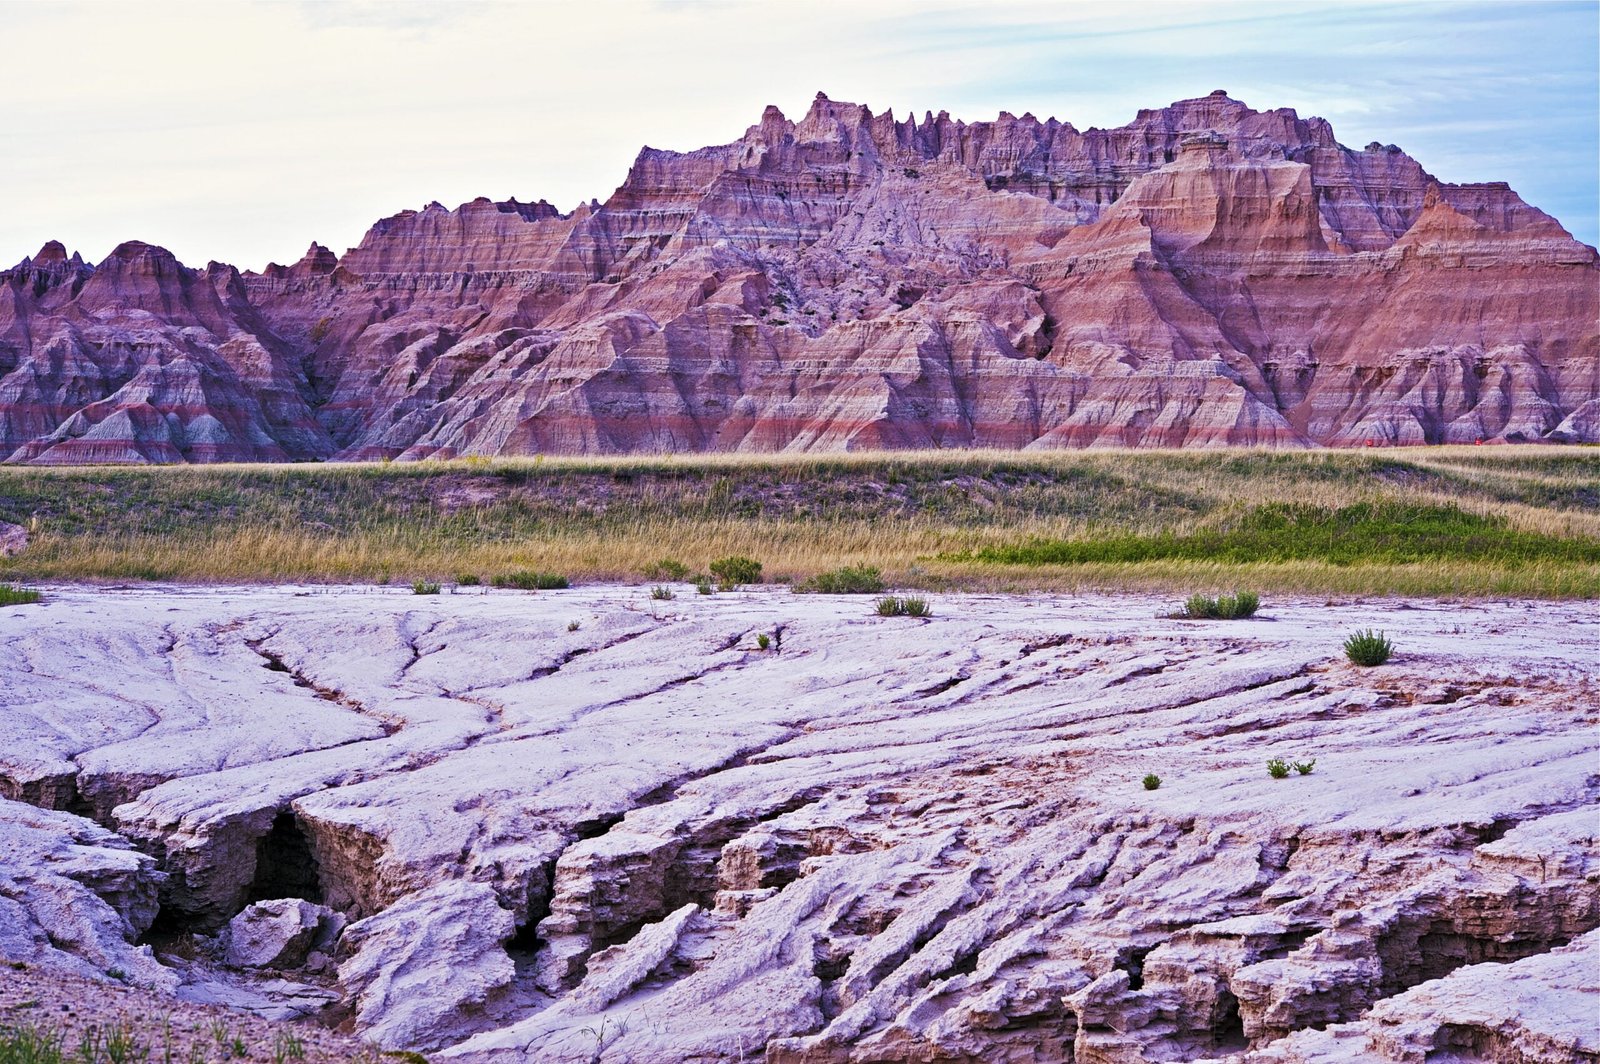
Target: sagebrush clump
(424,587)
(662,593)
(1225,607)
(1152,782)
(667,569)
(735,570)
(1368,648)
(847,580)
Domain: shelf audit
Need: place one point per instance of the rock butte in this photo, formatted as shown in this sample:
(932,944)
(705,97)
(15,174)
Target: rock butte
(883,839)
(1205,275)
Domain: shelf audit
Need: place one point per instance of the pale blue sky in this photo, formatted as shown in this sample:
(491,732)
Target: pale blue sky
(242,131)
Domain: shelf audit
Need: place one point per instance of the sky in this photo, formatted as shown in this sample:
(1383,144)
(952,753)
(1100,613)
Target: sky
(242,131)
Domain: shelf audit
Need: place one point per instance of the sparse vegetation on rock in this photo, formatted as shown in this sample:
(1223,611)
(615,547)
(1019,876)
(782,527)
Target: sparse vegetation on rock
(1368,648)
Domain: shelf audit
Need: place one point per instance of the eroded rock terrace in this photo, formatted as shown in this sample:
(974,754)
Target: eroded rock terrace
(584,822)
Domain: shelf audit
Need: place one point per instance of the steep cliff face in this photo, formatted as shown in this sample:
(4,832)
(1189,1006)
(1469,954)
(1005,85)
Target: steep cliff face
(1206,275)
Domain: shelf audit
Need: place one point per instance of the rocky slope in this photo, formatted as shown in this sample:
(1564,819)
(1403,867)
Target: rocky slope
(1207,274)
(588,825)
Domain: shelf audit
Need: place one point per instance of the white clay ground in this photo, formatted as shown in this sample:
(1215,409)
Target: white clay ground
(882,839)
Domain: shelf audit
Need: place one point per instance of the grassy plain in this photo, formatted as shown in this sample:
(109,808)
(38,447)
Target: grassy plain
(1468,521)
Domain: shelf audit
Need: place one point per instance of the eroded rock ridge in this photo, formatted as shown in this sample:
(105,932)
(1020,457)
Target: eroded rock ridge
(1205,275)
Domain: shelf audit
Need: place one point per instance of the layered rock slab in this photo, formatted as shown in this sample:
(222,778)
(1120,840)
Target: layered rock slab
(885,839)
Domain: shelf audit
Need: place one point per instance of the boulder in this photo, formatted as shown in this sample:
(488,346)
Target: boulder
(280,933)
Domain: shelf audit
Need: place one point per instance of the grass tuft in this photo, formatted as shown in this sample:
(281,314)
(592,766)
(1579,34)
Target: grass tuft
(11,595)
(907,606)
(1152,782)
(1226,607)
(424,587)
(1368,648)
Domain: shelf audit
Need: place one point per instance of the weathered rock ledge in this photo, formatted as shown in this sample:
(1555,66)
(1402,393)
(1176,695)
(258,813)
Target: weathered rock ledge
(643,838)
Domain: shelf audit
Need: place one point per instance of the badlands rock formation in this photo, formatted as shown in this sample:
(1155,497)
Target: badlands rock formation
(1207,274)
(645,839)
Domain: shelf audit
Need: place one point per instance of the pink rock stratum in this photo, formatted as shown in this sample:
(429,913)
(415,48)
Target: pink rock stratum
(1205,275)
(882,839)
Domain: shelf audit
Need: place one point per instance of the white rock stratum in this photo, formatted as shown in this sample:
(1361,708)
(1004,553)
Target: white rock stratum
(644,839)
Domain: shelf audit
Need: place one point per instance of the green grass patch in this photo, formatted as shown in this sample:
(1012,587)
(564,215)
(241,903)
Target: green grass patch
(11,595)
(1367,533)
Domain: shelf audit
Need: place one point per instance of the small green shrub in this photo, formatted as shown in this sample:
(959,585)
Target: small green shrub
(667,569)
(469,579)
(572,626)
(702,585)
(424,587)
(1305,767)
(1368,648)
(11,595)
(30,1045)
(1277,768)
(1152,781)
(662,593)
(764,641)
(1226,607)
(909,606)
(287,1046)
(121,1047)
(528,580)
(849,580)
(735,570)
